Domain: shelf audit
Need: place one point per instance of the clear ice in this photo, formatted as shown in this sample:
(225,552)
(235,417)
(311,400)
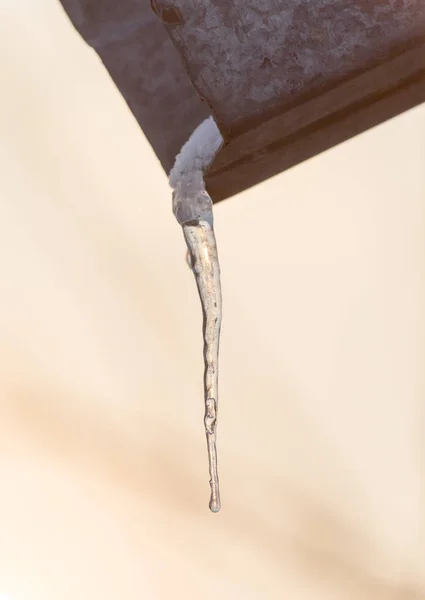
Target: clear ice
(192,207)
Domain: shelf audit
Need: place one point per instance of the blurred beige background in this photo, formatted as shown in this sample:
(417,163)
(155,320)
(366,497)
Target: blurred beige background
(103,467)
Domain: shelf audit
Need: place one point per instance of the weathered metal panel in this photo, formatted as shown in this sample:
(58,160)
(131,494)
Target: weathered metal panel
(285,79)
(250,58)
(317,124)
(146,68)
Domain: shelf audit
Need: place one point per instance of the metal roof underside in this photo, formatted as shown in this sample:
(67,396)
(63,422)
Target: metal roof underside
(284,79)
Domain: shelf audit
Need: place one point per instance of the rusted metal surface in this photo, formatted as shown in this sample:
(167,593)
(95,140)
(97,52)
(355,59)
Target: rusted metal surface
(146,68)
(285,79)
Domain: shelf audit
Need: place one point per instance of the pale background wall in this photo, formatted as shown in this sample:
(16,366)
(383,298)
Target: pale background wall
(103,470)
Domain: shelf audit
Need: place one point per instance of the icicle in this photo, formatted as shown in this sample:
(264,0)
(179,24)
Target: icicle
(192,207)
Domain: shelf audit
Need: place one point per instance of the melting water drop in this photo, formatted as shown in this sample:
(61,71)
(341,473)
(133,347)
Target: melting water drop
(192,207)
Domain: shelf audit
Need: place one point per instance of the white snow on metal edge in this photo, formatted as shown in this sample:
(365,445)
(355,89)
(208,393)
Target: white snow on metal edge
(197,153)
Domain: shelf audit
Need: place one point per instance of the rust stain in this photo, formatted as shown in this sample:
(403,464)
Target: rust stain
(169,15)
